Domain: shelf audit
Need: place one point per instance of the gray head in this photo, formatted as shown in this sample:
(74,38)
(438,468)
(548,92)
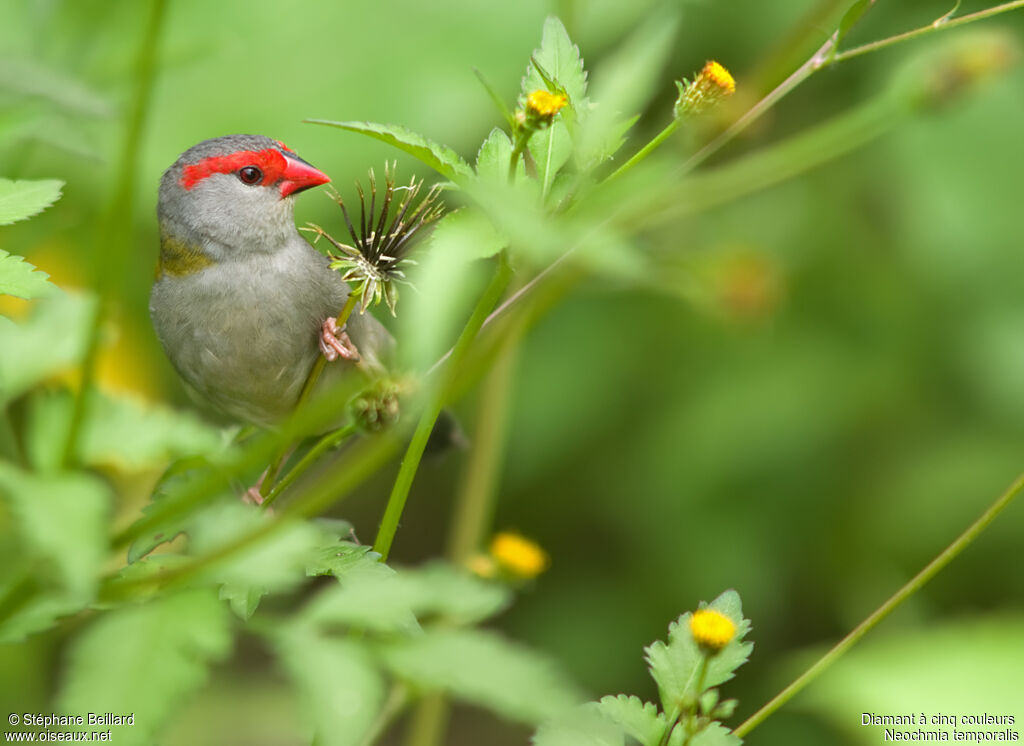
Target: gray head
(232,194)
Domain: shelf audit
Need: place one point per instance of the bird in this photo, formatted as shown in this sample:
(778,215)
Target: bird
(242,304)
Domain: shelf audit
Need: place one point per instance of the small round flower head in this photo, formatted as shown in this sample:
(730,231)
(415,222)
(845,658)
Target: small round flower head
(545,104)
(711,629)
(518,556)
(716,75)
(712,84)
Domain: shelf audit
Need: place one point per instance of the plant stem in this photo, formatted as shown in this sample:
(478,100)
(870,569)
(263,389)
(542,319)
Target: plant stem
(329,442)
(429,721)
(474,506)
(114,230)
(824,57)
(939,25)
(267,485)
(474,503)
(435,401)
(646,150)
(908,589)
(397,699)
(337,482)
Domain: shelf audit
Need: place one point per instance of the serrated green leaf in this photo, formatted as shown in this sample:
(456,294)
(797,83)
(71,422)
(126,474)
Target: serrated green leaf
(338,558)
(492,161)
(622,86)
(641,720)
(177,474)
(384,600)
(20,200)
(675,666)
(275,562)
(61,525)
(484,669)
(551,149)
(439,157)
(715,735)
(584,726)
(33,351)
(338,684)
(21,279)
(561,59)
(145,660)
(119,430)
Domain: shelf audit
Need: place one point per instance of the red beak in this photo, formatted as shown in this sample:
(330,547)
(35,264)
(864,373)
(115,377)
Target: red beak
(299,175)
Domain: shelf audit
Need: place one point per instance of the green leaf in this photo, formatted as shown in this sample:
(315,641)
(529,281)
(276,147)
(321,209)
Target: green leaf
(468,234)
(20,200)
(120,431)
(18,277)
(622,86)
(551,149)
(715,735)
(561,60)
(851,17)
(338,558)
(439,157)
(178,474)
(675,666)
(499,102)
(583,726)
(382,599)
(51,340)
(492,161)
(484,669)
(275,562)
(337,682)
(639,719)
(61,525)
(145,660)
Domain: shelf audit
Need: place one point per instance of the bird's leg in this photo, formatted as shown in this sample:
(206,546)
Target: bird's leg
(335,342)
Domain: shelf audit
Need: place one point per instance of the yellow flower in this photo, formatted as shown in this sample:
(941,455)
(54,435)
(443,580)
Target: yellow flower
(712,84)
(715,74)
(545,104)
(518,556)
(711,629)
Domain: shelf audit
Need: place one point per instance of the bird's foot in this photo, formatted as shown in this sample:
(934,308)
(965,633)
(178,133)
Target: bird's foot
(335,342)
(253,496)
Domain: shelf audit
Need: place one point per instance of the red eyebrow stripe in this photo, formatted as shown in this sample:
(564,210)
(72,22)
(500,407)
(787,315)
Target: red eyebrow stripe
(270,161)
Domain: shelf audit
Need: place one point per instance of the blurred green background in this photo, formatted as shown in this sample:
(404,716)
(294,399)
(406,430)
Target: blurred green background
(845,396)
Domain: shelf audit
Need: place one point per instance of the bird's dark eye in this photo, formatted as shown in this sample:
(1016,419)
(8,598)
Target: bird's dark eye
(250,175)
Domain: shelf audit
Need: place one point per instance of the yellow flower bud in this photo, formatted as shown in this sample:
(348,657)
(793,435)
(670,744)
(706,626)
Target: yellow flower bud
(544,104)
(518,556)
(711,629)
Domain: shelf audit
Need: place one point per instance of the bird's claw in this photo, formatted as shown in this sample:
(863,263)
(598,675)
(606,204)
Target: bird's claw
(335,342)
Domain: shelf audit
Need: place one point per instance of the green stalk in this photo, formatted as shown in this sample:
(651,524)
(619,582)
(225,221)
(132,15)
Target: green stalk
(474,506)
(267,486)
(435,401)
(474,502)
(337,482)
(646,150)
(824,57)
(114,234)
(329,442)
(910,588)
